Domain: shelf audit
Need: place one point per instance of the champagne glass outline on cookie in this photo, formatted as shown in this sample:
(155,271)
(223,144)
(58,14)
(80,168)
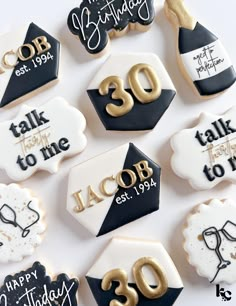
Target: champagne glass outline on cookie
(4,219)
(213,231)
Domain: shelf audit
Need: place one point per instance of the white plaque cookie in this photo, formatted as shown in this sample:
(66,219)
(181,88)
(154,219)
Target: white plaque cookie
(39,138)
(21,223)
(118,272)
(205,154)
(210,240)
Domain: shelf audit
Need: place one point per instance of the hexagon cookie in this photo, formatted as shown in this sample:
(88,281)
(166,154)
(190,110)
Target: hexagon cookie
(131,91)
(29,61)
(113,189)
(117,275)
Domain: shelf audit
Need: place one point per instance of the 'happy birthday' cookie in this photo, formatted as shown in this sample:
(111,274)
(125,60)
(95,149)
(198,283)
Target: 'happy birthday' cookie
(29,60)
(210,240)
(134,272)
(113,189)
(35,287)
(94,22)
(21,223)
(39,138)
(131,91)
(201,56)
(205,154)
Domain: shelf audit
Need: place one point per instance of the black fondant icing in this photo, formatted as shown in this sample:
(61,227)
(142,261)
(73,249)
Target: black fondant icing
(190,40)
(15,288)
(103,298)
(141,117)
(94,19)
(35,78)
(137,206)
(217,83)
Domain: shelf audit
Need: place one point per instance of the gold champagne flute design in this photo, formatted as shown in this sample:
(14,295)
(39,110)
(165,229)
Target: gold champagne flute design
(212,239)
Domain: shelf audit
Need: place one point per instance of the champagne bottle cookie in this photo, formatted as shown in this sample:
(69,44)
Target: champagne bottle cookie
(201,56)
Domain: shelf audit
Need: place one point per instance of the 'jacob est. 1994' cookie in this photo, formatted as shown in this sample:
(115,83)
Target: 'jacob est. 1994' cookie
(131,91)
(134,272)
(29,60)
(205,154)
(201,56)
(39,138)
(210,240)
(35,287)
(21,223)
(113,189)
(95,20)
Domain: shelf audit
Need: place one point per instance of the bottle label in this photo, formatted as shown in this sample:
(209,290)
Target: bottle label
(207,61)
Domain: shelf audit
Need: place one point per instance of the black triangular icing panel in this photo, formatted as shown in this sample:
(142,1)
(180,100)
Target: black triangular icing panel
(39,286)
(35,78)
(141,117)
(138,205)
(103,298)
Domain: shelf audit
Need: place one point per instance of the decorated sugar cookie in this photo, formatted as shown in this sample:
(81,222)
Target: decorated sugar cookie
(95,21)
(113,189)
(201,56)
(117,275)
(35,287)
(131,91)
(29,60)
(205,154)
(210,240)
(21,223)
(39,138)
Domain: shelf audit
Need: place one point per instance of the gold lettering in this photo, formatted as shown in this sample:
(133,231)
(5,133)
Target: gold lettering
(21,55)
(121,182)
(80,202)
(143,286)
(6,62)
(41,44)
(142,168)
(93,197)
(104,188)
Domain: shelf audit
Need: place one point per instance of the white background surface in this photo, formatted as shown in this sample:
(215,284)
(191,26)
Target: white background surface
(67,246)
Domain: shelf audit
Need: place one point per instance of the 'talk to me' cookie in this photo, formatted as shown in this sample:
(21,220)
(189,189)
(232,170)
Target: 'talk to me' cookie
(201,56)
(117,276)
(39,138)
(131,91)
(205,154)
(30,60)
(210,240)
(35,287)
(21,223)
(113,189)
(97,20)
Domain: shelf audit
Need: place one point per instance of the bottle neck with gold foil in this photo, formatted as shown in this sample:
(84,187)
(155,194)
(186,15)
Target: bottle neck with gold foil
(177,10)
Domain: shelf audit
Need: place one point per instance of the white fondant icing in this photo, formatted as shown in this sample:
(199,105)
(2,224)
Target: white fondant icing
(91,173)
(207,61)
(10,41)
(190,157)
(122,253)
(14,247)
(205,260)
(120,64)
(64,121)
